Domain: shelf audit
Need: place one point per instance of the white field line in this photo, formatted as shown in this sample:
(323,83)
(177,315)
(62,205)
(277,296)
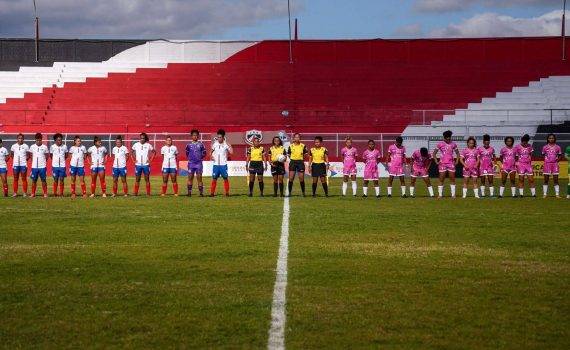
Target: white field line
(278,307)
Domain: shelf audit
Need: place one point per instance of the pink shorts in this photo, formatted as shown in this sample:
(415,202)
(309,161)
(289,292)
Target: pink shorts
(509,169)
(524,169)
(396,170)
(486,171)
(419,172)
(443,167)
(470,172)
(349,169)
(551,169)
(371,174)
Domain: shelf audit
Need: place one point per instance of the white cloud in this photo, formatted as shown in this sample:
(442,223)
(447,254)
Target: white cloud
(183,19)
(495,25)
(460,5)
(408,31)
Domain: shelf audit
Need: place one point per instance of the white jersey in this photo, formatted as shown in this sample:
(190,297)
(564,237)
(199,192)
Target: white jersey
(97,156)
(3,156)
(77,156)
(20,154)
(58,155)
(169,153)
(39,156)
(120,155)
(220,153)
(142,153)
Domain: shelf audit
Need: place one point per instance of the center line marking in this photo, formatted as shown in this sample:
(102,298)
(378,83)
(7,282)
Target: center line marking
(278,308)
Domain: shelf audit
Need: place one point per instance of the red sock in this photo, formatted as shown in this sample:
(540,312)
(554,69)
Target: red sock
(44,187)
(73,188)
(93,186)
(25,185)
(137,185)
(34,186)
(5,189)
(125,188)
(148,189)
(55,188)
(83,188)
(213,187)
(61,189)
(103,186)
(115,187)
(15,185)
(175,187)
(163,188)
(227,186)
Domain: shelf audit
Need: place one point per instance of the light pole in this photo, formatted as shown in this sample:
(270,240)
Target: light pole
(37,42)
(290,41)
(564,31)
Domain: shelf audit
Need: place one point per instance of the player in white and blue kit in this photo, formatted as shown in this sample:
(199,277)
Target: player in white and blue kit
(40,154)
(77,165)
(120,156)
(98,159)
(221,151)
(142,153)
(58,153)
(169,166)
(19,152)
(4,156)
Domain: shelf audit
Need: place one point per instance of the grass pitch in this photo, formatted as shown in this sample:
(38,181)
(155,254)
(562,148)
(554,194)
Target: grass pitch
(363,273)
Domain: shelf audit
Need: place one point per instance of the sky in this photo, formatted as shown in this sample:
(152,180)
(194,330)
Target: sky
(267,19)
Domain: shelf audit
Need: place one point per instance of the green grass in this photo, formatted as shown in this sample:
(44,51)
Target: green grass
(363,273)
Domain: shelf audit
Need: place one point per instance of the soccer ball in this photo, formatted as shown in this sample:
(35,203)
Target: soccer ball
(281,158)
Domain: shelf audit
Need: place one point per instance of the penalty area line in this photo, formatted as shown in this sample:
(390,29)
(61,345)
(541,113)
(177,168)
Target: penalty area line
(278,307)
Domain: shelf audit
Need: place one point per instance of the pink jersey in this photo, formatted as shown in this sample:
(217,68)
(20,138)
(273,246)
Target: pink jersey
(508,157)
(371,158)
(447,150)
(524,154)
(349,155)
(470,156)
(420,162)
(551,153)
(487,156)
(397,155)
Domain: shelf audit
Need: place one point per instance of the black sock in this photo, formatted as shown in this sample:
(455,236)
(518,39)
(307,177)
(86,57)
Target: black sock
(251,183)
(290,187)
(275,186)
(326,188)
(281,188)
(261,186)
(303,187)
(314,188)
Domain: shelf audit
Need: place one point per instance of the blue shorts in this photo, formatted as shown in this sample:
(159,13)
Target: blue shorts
(41,173)
(18,169)
(220,170)
(58,172)
(142,169)
(97,170)
(3,170)
(169,170)
(195,168)
(77,171)
(119,172)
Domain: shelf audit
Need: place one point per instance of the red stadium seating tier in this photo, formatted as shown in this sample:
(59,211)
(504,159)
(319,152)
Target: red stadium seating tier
(332,86)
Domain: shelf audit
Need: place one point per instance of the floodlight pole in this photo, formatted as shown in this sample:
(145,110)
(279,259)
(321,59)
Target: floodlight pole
(37,40)
(290,39)
(564,31)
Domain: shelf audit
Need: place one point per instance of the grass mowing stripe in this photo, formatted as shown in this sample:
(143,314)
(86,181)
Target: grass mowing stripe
(278,307)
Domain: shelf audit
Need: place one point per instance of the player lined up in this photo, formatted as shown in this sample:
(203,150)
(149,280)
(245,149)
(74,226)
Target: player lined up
(478,165)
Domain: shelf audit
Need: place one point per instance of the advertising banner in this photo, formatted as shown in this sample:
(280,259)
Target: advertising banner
(237,168)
